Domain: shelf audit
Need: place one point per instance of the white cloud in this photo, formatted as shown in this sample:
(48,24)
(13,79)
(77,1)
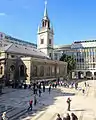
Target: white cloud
(2,14)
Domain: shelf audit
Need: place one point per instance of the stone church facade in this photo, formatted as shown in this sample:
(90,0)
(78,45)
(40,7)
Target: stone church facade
(24,63)
(19,64)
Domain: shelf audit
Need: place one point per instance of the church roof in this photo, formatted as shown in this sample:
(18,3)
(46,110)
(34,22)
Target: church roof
(20,49)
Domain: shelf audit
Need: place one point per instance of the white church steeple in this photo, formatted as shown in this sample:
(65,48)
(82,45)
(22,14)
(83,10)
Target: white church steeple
(45,35)
(45,11)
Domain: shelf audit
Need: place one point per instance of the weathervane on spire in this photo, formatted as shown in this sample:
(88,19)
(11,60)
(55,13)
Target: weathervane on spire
(45,11)
(45,3)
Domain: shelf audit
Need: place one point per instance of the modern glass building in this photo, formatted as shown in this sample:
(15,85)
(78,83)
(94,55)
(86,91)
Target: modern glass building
(84,53)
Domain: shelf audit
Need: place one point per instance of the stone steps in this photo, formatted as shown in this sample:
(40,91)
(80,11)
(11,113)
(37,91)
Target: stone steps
(16,113)
(7,109)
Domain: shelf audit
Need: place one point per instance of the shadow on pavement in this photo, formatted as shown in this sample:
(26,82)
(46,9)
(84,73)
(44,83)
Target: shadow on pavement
(79,110)
(44,102)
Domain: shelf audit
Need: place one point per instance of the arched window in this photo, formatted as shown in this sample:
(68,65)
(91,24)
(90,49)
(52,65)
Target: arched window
(12,68)
(42,71)
(34,71)
(22,70)
(1,70)
(48,71)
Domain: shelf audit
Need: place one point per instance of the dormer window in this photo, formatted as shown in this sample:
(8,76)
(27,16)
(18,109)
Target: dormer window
(42,41)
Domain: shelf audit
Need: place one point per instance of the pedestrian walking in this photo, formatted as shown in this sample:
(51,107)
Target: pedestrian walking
(39,92)
(49,88)
(68,117)
(43,88)
(4,116)
(53,85)
(83,91)
(69,102)
(56,85)
(58,117)
(73,116)
(35,100)
(85,84)
(64,118)
(30,105)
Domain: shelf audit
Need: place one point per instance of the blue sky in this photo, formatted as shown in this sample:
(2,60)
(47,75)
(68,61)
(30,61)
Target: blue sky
(72,19)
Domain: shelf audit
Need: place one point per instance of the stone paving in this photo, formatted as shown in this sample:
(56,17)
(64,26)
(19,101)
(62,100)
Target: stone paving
(15,103)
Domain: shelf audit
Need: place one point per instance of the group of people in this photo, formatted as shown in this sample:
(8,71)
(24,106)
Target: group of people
(37,90)
(67,117)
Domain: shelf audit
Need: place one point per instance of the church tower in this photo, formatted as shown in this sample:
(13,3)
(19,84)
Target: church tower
(45,35)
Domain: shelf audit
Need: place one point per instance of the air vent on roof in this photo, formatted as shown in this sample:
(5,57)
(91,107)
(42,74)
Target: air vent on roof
(26,48)
(16,46)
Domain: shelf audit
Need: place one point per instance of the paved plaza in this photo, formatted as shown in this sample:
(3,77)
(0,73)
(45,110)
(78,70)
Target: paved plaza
(15,103)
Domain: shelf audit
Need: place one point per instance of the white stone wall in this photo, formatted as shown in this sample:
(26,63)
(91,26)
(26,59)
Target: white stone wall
(45,34)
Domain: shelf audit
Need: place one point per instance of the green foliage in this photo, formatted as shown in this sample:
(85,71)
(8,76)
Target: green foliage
(70,61)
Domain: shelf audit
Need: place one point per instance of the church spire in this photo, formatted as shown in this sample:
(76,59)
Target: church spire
(45,11)
(45,20)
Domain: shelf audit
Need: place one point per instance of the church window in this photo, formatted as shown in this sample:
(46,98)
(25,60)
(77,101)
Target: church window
(1,70)
(42,71)
(12,56)
(49,41)
(21,70)
(48,25)
(12,68)
(42,41)
(34,72)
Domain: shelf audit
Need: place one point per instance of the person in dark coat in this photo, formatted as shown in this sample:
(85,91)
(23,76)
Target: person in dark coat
(43,88)
(68,117)
(35,100)
(74,117)
(49,88)
(69,102)
(30,105)
(39,92)
(58,117)
(85,84)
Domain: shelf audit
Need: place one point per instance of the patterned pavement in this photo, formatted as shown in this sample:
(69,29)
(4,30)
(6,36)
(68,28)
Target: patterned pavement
(15,103)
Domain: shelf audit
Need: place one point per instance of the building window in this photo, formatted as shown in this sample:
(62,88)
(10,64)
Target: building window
(1,70)
(49,41)
(21,70)
(48,71)
(12,68)
(50,55)
(42,41)
(34,71)
(93,65)
(42,71)
(56,56)
(12,56)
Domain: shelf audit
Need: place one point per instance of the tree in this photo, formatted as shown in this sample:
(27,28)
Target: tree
(70,61)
